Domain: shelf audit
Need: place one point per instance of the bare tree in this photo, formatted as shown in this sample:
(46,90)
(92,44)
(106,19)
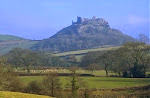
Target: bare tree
(74,86)
(92,67)
(144,39)
(52,84)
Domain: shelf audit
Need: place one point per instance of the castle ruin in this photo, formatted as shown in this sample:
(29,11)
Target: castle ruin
(98,21)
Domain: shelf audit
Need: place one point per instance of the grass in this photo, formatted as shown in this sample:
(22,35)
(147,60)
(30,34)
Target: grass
(7,94)
(123,94)
(9,37)
(84,51)
(97,82)
(80,53)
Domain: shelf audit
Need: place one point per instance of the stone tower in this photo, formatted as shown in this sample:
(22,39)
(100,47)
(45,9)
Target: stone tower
(80,20)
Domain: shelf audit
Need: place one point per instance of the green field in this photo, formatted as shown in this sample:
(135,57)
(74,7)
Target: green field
(7,94)
(80,53)
(97,82)
(84,51)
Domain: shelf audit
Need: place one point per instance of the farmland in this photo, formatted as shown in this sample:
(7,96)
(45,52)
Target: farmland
(80,52)
(96,82)
(100,86)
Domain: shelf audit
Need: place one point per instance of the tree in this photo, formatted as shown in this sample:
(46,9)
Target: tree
(75,83)
(14,57)
(72,58)
(90,58)
(33,87)
(106,60)
(52,84)
(139,53)
(92,67)
(144,39)
(28,59)
(74,86)
(51,60)
(132,58)
(23,57)
(8,79)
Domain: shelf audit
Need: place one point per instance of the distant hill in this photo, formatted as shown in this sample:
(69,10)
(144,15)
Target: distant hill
(84,34)
(8,42)
(9,37)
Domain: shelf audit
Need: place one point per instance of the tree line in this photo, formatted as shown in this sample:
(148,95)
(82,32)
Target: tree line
(130,60)
(22,57)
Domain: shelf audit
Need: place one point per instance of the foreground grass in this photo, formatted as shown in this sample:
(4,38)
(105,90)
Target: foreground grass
(123,94)
(96,82)
(7,94)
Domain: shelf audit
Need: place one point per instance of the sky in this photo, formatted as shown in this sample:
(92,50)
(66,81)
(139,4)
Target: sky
(40,19)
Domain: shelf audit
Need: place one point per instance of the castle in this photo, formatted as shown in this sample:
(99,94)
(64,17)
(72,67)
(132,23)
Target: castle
(81,20)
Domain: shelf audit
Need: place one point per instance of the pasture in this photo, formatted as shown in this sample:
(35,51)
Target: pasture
(100,81)
(80,52)
(96,82)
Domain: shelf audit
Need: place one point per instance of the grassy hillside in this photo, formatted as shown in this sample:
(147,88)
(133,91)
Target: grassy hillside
(80,52)
(7,94)
(9,37)
(8,45)
(8,42)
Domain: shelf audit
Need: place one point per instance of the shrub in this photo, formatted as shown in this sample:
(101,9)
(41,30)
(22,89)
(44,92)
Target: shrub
(125,74)
(33,87)
(52,85)
(9,80)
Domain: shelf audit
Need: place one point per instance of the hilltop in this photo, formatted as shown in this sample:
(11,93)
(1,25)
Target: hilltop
(84,34)
(9,37)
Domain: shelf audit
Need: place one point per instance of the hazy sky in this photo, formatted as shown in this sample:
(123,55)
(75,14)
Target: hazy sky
(38,19)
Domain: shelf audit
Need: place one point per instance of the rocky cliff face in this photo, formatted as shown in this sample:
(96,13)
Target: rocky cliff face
(84,34)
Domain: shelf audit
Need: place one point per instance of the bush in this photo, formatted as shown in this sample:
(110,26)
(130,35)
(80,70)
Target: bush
(52,85)
(125,74)
(138,72)
(33,87)
(9,81)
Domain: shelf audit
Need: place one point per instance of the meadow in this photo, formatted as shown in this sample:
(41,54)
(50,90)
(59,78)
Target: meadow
(96,82)
(80,52)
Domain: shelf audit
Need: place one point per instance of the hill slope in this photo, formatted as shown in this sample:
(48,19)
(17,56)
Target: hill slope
(6,46)
(7,94)
(83,34)
(7,42)
(9,37)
